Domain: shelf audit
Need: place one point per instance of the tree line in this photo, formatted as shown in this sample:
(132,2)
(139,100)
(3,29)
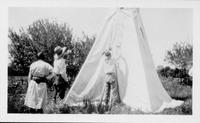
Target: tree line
(44,35)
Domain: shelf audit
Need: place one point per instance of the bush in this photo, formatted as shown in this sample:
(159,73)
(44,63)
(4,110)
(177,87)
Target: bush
(17,87)
(180,74)
(175,89)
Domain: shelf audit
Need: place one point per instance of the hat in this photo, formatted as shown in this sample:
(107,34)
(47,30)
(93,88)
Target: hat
(59,50)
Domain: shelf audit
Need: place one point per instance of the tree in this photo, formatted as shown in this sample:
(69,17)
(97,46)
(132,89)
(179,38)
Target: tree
(79,53)
(180,55)
(22,53)
(44,35)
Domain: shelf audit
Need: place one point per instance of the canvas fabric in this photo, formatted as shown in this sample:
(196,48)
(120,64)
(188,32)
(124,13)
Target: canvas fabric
(139,84)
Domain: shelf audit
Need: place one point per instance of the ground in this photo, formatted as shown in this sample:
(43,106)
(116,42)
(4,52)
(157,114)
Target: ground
(17,87)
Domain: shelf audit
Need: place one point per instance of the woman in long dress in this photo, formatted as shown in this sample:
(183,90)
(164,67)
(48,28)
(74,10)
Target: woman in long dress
(36,96)
(111,95)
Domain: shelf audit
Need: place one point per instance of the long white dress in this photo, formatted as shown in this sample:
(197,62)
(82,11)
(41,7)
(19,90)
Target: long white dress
(36,96)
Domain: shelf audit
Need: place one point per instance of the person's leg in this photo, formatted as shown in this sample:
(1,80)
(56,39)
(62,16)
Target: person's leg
(115,93)
(112,91)
(107,95)
(55,94)
(62,91)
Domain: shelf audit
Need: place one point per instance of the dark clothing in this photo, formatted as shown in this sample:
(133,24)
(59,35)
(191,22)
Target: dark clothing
(60,86)
(39,80)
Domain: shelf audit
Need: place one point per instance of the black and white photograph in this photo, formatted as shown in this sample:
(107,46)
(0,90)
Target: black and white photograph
(100,60)
(81,61)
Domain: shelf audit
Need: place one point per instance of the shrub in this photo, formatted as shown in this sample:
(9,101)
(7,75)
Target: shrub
(17,87)
(180,74)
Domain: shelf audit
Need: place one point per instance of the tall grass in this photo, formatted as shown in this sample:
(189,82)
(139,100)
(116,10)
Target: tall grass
(17,87)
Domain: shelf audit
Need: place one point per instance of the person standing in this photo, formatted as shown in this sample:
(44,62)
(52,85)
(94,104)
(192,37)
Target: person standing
(61,81)
(111,95)
(36,96)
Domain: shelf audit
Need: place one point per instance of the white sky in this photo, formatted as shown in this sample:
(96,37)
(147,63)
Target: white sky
(163,27)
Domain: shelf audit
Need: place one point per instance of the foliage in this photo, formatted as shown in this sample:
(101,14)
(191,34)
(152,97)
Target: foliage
(17,87)
(16,94)
(21,52)
(165,71)
(44,35)
(79,53)
(180,55)
(175,89)
(181,74)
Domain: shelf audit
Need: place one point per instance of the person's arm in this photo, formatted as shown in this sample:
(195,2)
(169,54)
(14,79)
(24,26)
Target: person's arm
(65,76)
(51,73)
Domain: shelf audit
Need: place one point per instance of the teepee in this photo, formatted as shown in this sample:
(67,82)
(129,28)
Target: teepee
(139,84)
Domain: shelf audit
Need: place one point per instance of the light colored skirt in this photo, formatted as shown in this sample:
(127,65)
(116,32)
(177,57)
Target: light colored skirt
(36,96)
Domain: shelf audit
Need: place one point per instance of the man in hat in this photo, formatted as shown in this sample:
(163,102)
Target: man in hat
(36,96)
(59,69)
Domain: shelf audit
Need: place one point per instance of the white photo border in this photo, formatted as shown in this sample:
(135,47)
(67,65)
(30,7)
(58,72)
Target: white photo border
(4,116)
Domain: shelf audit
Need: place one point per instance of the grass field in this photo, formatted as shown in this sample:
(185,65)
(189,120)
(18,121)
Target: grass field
(17,87)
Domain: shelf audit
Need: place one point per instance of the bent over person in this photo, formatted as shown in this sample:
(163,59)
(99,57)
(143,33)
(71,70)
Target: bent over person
(36,97)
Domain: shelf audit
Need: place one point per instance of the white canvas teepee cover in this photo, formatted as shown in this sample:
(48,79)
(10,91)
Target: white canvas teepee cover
(139,84)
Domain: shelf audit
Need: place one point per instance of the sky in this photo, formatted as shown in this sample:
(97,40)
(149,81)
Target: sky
(163,27)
